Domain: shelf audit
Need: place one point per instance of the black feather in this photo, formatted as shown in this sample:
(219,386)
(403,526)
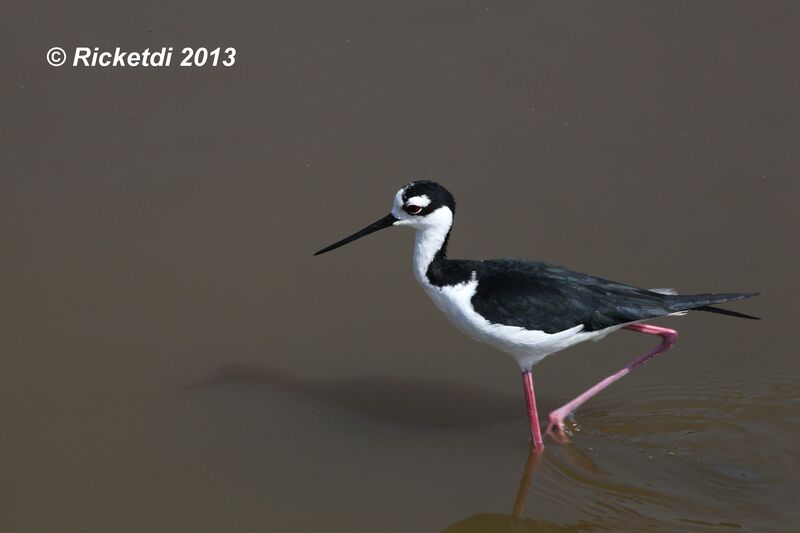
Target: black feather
(726,312)
(540,296)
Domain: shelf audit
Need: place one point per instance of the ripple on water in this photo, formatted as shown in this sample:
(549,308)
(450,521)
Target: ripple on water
(713,454)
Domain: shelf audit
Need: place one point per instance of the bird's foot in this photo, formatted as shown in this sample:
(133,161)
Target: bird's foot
(555,427)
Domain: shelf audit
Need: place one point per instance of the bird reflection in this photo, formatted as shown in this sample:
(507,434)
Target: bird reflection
(531,465)
(515,522)
(425,402)
(499,522)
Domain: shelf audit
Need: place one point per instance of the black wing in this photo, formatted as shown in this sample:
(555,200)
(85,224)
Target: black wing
(551,298)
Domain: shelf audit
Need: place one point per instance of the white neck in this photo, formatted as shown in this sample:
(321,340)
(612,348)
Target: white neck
(429,240)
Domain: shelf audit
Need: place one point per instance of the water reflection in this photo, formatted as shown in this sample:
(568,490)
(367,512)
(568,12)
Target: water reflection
(524,484)
(498,522)
(663,465)
(664,461)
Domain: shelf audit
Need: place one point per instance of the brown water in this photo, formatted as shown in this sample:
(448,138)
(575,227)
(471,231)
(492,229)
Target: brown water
(173,358)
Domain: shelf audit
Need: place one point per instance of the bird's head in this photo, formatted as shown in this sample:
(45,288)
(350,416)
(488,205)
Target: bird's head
(422,205)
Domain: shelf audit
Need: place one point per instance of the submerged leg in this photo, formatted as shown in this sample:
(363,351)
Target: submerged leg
(668,338)
(533,415)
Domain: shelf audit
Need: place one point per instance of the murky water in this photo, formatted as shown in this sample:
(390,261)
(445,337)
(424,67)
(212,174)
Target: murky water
(173,358)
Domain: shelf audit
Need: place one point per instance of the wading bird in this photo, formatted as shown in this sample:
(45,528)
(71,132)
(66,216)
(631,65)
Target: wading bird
(529,309)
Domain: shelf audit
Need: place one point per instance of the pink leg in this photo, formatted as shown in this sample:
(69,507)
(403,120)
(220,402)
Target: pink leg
(668,339)
(533,415)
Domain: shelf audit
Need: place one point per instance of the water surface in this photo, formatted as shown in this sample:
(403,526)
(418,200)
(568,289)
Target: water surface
(173,358)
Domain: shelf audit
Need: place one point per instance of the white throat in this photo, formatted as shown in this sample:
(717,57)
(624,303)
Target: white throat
(429,240)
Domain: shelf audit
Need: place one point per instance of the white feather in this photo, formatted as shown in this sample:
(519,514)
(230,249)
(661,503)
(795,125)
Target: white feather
(664,291)
(422,200)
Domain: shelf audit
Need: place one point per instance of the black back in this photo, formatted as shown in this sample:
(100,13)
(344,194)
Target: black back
(541,296)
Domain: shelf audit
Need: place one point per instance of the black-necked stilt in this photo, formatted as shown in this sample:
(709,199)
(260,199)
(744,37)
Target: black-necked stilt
(529,309)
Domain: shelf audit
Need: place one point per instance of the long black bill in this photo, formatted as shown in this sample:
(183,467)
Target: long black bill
(385,222)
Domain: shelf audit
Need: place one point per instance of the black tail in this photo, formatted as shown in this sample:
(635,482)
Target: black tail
(704,302)
(726,312)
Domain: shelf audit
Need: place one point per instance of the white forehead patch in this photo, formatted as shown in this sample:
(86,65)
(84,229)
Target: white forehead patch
(422,200)
(398,199)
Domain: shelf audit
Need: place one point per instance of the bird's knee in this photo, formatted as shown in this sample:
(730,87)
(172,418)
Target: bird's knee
(669,337)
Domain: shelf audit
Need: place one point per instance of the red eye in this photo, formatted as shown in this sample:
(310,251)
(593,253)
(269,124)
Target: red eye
(413,209)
